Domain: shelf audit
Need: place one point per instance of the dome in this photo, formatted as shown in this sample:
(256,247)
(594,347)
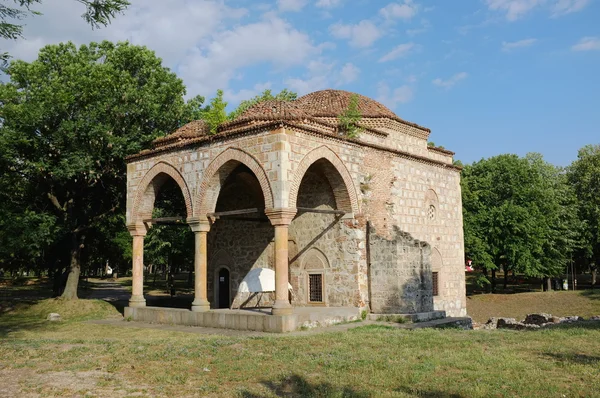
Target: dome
(273,110)
(193,129)
(332,103)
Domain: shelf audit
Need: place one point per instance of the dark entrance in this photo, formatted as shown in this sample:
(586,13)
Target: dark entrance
(223,283)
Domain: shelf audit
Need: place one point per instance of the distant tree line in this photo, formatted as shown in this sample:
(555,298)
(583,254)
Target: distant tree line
(524,215)
(68,120)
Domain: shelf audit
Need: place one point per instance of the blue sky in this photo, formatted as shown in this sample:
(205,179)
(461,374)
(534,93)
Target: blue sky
(487,76)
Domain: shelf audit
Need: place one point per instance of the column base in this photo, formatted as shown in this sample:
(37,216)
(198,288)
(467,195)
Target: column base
(200,306)
(282,307)
(137,301)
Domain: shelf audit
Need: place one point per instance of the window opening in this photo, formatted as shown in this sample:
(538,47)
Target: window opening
(315,287)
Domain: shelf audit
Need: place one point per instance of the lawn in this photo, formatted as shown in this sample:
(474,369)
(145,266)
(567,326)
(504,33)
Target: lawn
(73,357)
(584,303)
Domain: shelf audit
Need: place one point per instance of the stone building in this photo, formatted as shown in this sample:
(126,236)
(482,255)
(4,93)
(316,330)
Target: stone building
(373,222)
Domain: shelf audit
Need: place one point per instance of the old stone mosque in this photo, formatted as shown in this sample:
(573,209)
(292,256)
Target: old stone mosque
(371,223)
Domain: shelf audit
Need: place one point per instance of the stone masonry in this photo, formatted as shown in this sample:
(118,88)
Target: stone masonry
(321,198)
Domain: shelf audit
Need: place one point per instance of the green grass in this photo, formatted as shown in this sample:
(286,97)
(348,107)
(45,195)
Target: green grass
(73,357)
(584,303)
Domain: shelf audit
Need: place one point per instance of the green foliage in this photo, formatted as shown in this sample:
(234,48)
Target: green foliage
(518,215)
(363,314)
(215,113)
(584,177)
(349,118)
(283,95)
(482,282)
(69,120)
(97,13)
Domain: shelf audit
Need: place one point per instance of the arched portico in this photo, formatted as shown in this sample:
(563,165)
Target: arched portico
(143,205)
(216,174)
(336,173)
(149,187)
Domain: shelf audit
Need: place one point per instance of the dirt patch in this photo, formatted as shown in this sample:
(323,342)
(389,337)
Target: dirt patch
(27,383)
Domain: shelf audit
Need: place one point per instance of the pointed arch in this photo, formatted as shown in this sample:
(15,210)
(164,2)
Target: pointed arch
(149,187)
(314,259)
(217,172)
(337,174)
(436,259)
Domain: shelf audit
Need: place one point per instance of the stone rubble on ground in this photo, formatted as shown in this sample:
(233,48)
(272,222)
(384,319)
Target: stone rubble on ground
(531,322)
(53,316)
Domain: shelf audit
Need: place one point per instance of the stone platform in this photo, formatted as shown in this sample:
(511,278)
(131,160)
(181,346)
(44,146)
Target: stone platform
(418,317)
(256,319)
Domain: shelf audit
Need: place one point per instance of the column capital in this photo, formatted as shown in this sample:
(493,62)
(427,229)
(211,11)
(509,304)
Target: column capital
(281,216)
(198,224)
(137,229)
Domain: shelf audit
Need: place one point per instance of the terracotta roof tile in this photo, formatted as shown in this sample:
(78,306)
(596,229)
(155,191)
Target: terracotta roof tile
(193,129)
(269,110)
(332,103)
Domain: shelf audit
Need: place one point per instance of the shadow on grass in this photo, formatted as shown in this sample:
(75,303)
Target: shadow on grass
(427,393)
(580,359)
(592,294)
(298,386)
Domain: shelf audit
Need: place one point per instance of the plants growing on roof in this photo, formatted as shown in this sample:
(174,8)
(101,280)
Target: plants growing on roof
(348,120)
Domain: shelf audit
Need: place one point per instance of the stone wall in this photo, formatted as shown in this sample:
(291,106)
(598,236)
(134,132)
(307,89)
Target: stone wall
(400,274)
(390,189)
(425,201)
(322,243)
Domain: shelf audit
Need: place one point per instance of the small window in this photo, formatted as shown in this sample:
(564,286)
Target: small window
(315,288)
(434,279)
(431,212)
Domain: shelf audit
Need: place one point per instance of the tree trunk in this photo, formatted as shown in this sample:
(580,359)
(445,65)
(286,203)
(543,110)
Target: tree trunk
(493,281)
(70,292)
(505,267)
(594,272)
(548,284)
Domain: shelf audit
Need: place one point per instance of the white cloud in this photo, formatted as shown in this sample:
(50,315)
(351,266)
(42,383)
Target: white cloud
(206,42)
(363,34)
(402,10)
(399,51)
(328,3)
(212,66)
(348,74)
(392,98)
(514,9)
(563,7)
(235,97)
(508,46)
(449,83)
(318,74)
(291,5)
(587,44)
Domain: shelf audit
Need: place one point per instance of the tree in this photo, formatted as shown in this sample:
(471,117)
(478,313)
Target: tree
(283,95)
(584,177)
(97,13)
(69,119)
(350,117)
(518,216)
(215,113)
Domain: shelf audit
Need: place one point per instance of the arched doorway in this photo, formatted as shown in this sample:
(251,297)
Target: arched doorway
(237,242)
(321,234)
(223,289)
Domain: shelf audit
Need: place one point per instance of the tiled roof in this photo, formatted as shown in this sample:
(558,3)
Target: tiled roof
(332,103)
(269,110)
(194,129)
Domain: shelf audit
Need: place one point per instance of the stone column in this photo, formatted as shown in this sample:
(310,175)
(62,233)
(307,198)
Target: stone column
(200,229)
(138,231)
(281,220)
